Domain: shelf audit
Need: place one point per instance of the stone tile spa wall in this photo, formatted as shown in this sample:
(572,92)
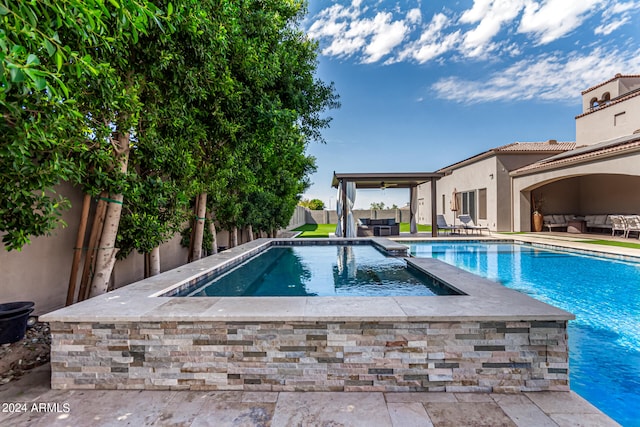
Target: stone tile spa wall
(501,357)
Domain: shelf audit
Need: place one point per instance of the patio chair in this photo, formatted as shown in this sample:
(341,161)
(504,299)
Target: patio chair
(442,225)
(468,224)
(632,223)
(618,224)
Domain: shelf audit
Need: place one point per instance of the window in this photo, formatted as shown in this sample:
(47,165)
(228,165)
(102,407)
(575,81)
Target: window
(619,119)
(482,203)
(443,203)
(468,204)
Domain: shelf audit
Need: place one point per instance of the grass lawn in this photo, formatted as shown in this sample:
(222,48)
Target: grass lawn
(614,243)
(323,230)
(404,228)
(316,230)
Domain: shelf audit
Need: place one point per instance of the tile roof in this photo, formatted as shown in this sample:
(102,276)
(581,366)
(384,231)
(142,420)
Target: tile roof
(537,146)
(516,147)
(614,101)
(584,154)
(616,77)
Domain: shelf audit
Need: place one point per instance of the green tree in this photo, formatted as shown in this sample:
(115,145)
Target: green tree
(377,205)
(277,109)
(47,56)
(313,204)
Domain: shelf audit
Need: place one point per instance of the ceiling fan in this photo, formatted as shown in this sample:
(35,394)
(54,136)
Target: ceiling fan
(384,185)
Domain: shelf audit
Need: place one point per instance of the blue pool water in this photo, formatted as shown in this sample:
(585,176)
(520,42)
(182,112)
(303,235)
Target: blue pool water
(328,270)
(604,295)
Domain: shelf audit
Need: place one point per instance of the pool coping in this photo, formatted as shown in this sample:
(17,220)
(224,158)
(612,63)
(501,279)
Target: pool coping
(484,299)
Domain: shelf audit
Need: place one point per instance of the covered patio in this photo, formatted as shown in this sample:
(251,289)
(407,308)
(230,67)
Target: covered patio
(600,179)
(348,183)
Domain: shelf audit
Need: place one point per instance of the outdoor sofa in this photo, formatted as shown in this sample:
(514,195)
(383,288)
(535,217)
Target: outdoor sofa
(559,222)
(378,227)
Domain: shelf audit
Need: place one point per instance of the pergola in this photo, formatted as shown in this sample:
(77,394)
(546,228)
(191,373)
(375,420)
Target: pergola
(409,180)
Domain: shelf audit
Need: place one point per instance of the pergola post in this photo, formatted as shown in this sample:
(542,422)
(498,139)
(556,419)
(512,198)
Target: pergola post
(413,209)
(344,207)
(434,210)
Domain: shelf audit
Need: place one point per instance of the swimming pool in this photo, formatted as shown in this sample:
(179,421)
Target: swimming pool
(488,339)
(339,270)
(603,293)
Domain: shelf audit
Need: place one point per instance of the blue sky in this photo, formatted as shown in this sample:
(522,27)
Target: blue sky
(426,84)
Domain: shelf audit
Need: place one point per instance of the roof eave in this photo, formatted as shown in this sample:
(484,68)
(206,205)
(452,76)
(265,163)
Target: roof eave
(547,167)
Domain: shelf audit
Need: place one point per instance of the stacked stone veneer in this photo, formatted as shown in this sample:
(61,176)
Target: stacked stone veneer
(316,356)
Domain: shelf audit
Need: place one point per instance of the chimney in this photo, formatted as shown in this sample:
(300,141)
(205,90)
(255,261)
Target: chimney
(552,142)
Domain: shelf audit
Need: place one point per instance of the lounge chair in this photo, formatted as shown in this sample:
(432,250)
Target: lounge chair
(632,223)
(618,224)
(468,224)
(442,225)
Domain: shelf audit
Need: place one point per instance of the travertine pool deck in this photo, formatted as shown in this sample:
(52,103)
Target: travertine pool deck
(490,339)
(279,409)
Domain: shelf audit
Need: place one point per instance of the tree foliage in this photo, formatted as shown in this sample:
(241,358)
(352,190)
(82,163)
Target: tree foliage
(47,57)
(149,106)
(313,204)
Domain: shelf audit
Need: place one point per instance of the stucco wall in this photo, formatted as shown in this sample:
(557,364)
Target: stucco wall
(482,174)
(298,218)
(331,216)
(610,194)
(40,272)
(609,122)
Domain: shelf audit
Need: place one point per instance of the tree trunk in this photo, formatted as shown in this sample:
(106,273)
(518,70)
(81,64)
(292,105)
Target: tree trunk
(154,261)
(106,256)
(90,257)
(250,232)
(198,234)
(214,240)
(234,237)
(77,251)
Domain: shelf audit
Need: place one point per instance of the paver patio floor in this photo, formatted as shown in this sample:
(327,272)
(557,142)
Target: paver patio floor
(41,406)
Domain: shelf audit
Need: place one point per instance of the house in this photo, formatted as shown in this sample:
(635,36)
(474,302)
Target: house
(483,183)
(599,173)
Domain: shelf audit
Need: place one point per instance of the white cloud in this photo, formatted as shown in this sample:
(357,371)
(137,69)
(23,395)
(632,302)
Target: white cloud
(615,16)
(609,28)
(491,15)
(351,34)
(621,7)
(386,36)
(432,42)
(554,77)
(414,16)
(478,11)
(498,30)
(550,20)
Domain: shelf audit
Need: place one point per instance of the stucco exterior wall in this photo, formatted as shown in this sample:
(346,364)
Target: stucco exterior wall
(610,194)
(491,173)
(608,122)
(478,175)
(615,88)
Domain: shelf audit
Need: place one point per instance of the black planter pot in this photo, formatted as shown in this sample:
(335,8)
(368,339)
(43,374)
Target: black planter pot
(13,320)
(9,309)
